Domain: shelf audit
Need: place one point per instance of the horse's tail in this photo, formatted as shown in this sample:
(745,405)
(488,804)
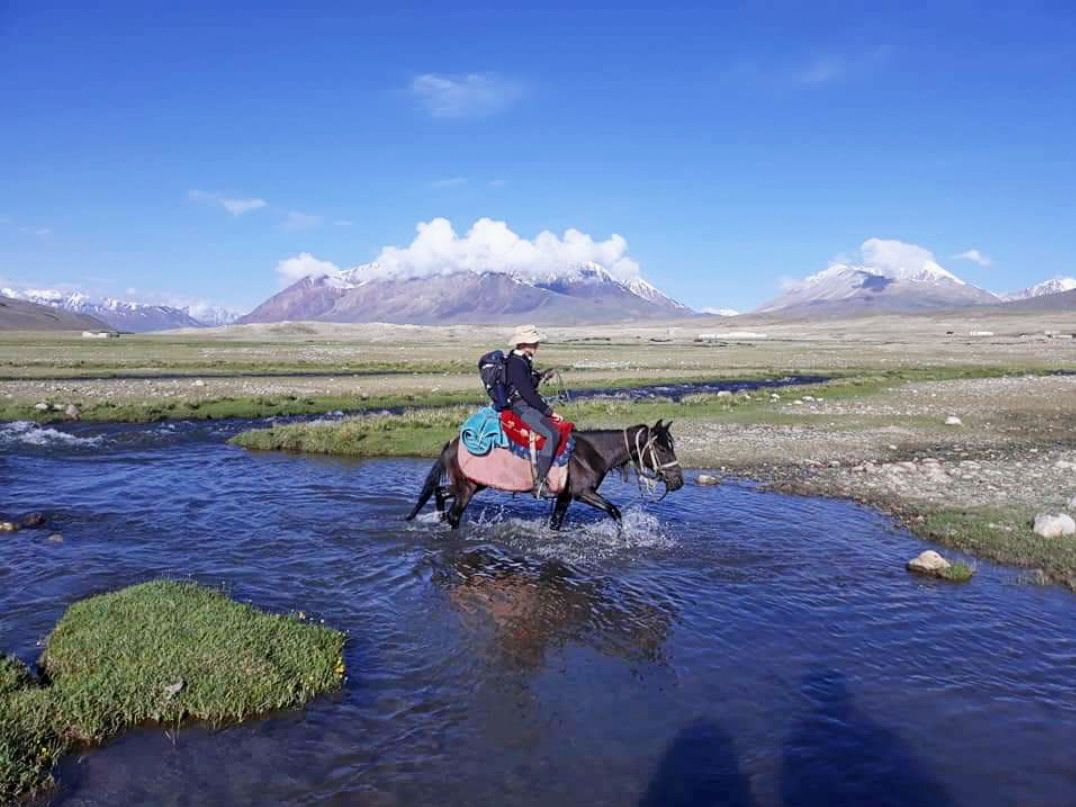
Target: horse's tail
(433,479)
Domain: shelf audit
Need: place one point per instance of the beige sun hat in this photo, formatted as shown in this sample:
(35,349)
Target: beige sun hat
(526,335)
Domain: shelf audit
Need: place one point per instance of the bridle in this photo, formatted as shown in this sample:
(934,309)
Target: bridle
(646,461)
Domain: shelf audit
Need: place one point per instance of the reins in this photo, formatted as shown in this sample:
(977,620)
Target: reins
(648,469)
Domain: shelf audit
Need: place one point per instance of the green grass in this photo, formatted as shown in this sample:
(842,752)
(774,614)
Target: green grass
(422,432)
(1004,536)
(957,572)
(159,652)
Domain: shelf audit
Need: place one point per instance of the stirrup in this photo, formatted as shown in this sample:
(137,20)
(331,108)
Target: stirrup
(539,488)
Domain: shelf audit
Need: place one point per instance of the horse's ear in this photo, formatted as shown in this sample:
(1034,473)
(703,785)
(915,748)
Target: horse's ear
(657,426)
(668,425)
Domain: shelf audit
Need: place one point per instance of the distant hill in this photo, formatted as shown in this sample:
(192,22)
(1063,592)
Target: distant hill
(584,294)
(21,315)
(1061,301)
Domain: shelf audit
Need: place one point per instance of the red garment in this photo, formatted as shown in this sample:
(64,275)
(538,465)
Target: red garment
(520,434)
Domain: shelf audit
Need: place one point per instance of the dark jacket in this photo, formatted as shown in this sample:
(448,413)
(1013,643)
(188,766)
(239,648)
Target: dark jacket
(523,382)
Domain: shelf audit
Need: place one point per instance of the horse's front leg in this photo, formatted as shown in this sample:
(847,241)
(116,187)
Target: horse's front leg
(595,499)
(560,509)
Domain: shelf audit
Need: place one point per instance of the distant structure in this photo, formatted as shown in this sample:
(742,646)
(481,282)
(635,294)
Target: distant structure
(100,334)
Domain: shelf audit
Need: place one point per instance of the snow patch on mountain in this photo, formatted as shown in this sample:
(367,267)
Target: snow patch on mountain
(1054,285)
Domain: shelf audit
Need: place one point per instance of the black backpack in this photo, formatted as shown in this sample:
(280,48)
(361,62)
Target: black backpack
(491,368)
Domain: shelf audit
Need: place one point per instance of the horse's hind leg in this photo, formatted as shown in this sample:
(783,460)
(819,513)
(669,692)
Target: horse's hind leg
(464,493)
(441,496)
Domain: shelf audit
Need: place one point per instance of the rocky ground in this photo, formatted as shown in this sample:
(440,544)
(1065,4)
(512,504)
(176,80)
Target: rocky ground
(977,484)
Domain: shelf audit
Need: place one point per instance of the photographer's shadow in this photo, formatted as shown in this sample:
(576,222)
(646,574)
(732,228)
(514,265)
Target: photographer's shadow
(699,768)
(837,755)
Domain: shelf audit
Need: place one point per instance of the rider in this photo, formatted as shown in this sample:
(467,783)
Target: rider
(522,382)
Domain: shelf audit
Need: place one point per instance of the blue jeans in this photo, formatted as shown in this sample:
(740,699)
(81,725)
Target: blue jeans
(543,425)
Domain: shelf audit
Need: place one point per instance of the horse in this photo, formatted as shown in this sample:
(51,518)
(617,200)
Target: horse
(649,449)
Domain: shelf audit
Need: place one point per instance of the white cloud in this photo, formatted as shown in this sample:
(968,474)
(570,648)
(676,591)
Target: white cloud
(473,95)
(450,182)
(40,232)
(304,265)
(488,246)
(895,259)
(237,206)
(492,246)
(297,220)
(823,70)
(975,256)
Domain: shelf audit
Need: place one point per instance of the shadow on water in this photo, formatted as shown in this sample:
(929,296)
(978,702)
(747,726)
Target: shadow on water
(698,769)
(837,755)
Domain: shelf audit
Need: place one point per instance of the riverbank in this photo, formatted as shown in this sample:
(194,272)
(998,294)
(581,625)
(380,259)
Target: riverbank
(158,652)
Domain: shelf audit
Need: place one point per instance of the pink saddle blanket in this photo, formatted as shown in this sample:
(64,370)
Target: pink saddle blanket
(503,470)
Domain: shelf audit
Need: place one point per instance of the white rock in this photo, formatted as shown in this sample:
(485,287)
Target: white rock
(928,562)
(1064,465)
(1049,525)
(199,382)
(798,402)
(71,412)
(42,407)
(724,393)
(953,420)
(707,480)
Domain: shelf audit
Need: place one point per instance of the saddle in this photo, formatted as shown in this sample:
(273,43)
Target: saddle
(519,433)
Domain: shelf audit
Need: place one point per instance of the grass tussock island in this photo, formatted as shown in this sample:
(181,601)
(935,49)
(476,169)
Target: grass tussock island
(159,652)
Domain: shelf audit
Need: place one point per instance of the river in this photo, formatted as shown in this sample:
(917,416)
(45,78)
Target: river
(732,646)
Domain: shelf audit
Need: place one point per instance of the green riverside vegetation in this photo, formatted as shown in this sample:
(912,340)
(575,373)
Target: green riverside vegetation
(422,431)
(162,652)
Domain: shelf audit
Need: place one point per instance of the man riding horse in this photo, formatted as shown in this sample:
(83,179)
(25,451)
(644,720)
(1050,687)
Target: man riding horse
(523,398)
(459,474)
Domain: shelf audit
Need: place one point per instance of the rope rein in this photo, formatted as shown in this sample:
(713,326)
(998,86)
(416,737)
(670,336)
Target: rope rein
(646,463)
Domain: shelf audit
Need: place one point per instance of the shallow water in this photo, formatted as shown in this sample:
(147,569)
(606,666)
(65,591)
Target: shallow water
(732,646)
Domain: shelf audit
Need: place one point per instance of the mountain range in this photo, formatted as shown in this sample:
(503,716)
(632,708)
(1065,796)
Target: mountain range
(587,293)
(21,315)
(122,315)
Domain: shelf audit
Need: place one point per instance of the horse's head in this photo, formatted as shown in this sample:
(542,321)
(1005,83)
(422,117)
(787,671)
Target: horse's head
(664,461)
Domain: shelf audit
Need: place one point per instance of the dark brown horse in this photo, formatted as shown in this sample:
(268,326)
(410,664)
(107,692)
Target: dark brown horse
(649,449)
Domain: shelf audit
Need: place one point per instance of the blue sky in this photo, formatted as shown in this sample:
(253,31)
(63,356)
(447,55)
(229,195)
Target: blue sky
(187,148)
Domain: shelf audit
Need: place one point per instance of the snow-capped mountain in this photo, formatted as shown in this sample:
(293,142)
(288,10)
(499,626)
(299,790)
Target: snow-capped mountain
(720,312)
(849,288)
(369,293)
(22,315)
(1054,285)
(119,314)
(211,316)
